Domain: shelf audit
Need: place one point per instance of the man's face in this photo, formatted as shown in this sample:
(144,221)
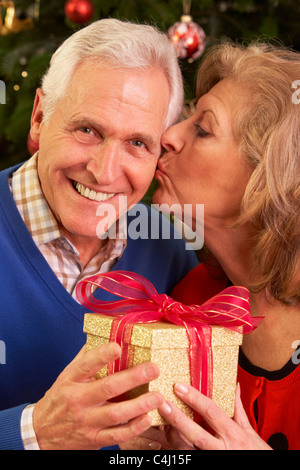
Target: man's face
(101,143)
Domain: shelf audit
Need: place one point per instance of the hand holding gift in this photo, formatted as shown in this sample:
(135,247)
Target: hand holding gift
(76,414)
(228,434)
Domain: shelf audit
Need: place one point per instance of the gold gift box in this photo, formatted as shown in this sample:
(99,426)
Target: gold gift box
(167,345)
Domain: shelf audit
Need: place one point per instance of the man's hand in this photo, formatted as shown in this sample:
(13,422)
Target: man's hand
(229,434)
(153,439)
(75,412)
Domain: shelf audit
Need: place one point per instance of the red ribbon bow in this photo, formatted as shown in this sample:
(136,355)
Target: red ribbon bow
(142,304)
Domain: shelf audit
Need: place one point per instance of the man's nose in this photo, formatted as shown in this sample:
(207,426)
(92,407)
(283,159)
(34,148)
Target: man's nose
(105,163)
(173,139)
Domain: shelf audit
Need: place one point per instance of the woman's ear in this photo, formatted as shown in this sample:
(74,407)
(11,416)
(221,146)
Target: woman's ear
(37,116)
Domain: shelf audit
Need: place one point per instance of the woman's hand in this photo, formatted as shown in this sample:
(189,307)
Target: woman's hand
(230,434)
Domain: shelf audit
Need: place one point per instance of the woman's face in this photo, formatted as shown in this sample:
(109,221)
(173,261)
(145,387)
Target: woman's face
(202,164)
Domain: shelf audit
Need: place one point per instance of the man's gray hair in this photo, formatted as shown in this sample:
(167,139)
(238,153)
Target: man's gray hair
(121,45)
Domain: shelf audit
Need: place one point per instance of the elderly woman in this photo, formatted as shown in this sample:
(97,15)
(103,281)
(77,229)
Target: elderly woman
(239,155)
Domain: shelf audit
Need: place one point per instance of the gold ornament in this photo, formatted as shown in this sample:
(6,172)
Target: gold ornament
(12,24)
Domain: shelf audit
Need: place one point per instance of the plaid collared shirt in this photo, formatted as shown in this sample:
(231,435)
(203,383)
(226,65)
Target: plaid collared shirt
(59,252)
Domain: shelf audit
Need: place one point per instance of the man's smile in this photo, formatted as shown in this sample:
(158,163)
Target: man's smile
(90,193)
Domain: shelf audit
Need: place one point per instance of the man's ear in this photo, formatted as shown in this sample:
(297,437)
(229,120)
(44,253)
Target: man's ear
(37,116)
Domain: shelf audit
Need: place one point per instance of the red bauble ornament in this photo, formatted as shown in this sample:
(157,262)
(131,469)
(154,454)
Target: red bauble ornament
(188,38)
(32,146)
(79,11)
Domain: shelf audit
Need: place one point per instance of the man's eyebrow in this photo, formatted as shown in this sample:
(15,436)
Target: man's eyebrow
(210,111)
(86,122)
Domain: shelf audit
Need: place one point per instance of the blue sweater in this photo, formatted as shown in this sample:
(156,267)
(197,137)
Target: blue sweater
(40,323)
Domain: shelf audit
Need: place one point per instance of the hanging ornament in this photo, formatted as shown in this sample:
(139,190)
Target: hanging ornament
(189,108)
(187,37)
(79,11)
(12,24)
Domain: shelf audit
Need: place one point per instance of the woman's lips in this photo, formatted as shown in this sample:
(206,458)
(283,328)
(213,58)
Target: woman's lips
(160,169)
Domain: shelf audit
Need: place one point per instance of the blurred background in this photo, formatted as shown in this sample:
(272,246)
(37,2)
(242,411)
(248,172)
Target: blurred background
(31,30)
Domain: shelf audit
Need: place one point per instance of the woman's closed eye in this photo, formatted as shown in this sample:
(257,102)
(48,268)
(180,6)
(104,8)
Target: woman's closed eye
(200,131)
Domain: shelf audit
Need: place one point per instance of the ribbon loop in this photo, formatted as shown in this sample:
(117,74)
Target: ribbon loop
(166,304)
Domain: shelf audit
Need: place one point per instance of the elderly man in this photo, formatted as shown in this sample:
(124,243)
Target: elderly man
(111,90)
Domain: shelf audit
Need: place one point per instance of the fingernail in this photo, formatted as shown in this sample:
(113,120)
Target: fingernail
(238,390)
(165,408)
(155,399)
(181,388)
(151,371)
(154,445)
(113,350)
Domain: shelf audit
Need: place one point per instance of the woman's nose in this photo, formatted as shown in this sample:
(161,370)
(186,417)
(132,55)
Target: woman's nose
(173,138)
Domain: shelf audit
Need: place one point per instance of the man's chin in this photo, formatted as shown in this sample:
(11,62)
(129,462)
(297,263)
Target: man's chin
(80,231)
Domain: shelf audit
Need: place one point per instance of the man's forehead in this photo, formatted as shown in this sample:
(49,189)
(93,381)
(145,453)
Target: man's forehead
(129,86)
(101,97)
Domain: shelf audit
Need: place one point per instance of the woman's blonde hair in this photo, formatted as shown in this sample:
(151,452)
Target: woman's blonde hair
(268,133)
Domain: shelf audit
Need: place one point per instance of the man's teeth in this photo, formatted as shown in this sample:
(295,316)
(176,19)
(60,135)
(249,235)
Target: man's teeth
(91,194)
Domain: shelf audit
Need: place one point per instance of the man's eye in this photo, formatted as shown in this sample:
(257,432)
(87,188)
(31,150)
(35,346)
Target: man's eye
(86,130)
(86,134)
(138,143)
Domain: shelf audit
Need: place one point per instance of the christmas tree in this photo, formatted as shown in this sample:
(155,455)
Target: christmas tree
(31,30)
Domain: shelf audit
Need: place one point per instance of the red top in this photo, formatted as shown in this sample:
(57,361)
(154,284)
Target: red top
(271,399)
